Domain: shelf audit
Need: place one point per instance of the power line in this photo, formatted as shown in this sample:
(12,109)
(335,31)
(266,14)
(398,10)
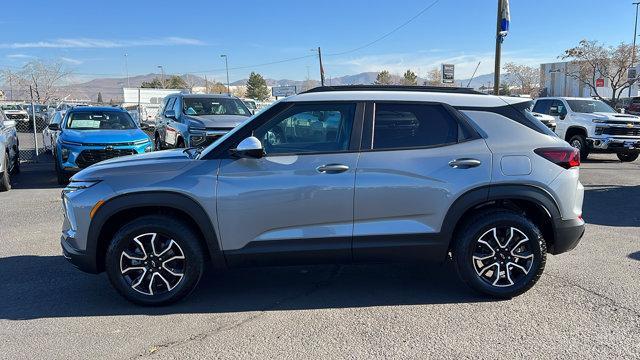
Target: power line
(389,33)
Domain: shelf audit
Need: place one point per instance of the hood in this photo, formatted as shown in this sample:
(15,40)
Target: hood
(614,116)
(217,121)
(103,136)
(157,161)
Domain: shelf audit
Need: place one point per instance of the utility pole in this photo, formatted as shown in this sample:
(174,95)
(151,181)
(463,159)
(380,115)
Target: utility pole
(635,31)
(226,65)
(321,68)
(126,69)
(33,111)
(162,73)
(496,71)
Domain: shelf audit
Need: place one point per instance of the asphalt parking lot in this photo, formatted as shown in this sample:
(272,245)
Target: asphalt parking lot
(587,304)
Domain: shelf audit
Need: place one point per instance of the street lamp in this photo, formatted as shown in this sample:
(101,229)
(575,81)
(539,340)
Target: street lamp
(162,72)
(226,65)
(126,69)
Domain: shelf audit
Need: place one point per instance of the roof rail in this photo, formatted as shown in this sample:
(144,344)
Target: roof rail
(443,89)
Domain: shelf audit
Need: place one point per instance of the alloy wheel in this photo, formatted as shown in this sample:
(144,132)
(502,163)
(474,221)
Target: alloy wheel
(576,144)
(152,264)
(503,256)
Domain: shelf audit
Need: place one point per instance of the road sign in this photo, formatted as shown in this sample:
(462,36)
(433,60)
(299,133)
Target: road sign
(282,91)
(447,73)
(632,75)
(600,82)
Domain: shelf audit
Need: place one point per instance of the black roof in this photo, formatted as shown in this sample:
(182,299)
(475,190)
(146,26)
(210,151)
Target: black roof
(443,89)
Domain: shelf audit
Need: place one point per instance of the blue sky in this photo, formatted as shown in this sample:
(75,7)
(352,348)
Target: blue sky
(91,37)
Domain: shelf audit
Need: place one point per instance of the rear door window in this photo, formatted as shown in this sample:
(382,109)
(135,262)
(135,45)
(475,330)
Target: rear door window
(398,126)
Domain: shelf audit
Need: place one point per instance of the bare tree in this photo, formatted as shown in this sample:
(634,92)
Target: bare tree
(434,77)
(44,77)
(591,60)
(527,78)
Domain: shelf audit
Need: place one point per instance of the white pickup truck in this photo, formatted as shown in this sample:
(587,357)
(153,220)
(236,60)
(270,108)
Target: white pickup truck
(593,126)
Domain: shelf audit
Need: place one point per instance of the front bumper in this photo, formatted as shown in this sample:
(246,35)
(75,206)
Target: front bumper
(614,144)
(567,235)
(74,162)
(77,257)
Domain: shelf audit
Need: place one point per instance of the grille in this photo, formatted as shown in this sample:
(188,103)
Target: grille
(16,116)
(622,131)
(90,157)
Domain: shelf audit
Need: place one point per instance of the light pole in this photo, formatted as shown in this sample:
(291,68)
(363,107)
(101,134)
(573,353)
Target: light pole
(126,69)
(635,31)
(162,73)
(320,62)
(496,71)
(226,65)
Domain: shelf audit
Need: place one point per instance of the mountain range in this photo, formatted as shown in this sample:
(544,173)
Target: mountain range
(111,88)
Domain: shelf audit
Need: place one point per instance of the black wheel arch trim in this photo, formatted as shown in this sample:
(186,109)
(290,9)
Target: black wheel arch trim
(166,199)
(478,196)
(576,127)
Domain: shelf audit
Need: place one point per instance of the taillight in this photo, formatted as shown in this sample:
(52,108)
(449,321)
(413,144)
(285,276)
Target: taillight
(564,157)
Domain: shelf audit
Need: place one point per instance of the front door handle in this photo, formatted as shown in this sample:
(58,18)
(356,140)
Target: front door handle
(465,163)
(332,168)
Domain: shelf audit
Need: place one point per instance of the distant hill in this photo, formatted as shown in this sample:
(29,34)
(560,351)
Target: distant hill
(111,88)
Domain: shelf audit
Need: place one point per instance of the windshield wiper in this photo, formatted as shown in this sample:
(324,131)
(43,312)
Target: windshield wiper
(196,152)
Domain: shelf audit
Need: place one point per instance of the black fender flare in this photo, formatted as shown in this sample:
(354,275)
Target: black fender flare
(166,199)
(478,196)
(581,128)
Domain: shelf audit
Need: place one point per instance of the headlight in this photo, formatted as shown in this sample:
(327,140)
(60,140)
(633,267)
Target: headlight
(149,148)
(140,142)
(79,185)
(599,121)
(197,139)
(71,143)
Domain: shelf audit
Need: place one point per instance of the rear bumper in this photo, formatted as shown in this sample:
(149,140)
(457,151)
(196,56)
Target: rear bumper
(567,235)
(77,257)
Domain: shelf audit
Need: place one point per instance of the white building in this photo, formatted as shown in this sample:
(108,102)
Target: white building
(555,82)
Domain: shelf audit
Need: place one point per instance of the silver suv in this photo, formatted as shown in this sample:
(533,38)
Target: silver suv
(337,175)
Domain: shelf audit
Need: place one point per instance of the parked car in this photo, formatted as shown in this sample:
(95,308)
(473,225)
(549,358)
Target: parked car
(633,107)
(548,120)
(440,172)
(42,115)
(17,113)
(88,135)
(187,120)
(592,126)
(49,136)
(9,154)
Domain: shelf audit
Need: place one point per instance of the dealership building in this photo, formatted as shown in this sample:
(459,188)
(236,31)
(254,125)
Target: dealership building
(555,82)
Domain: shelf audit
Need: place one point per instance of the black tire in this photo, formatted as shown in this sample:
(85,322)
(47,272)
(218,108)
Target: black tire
(579,142)
(165,227)
(5,178)
(467,244)
(62,176)
(628,156)
(157,144)
(180,144)
(16,163)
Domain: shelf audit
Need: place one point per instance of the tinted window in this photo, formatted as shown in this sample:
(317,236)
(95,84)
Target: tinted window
(214,106)
(409,125)
(95,120)
(542,106)
(169,105)
(308,128)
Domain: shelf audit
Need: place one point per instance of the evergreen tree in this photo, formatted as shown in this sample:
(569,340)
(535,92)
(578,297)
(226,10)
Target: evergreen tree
(383,78)
(100,98)
(257,87)
(410,78)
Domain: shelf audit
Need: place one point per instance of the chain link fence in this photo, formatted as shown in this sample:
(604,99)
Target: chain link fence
(30,135)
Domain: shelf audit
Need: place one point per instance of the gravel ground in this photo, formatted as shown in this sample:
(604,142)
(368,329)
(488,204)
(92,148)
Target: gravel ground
(585,306)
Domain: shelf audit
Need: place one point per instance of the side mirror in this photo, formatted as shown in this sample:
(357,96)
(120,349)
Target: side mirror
(54,126)
(9,123)
(170,114)
(250,147)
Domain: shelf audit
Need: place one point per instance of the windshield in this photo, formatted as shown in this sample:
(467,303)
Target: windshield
(214,106)
(11,107)
(589,106)
(100,120)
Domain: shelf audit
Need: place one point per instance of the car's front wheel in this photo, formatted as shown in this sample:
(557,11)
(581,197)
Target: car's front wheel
(154,260)
(579,142)
(5,178)
(628,156)
(500,253)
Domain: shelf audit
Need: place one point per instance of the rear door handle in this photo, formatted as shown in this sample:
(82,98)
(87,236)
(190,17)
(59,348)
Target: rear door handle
(332,168)
(465,163)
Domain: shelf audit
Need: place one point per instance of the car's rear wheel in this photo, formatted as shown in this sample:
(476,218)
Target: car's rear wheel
(5,177)
(16,163)
(579,142)
(628,156)
(500,253)
(154,260)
